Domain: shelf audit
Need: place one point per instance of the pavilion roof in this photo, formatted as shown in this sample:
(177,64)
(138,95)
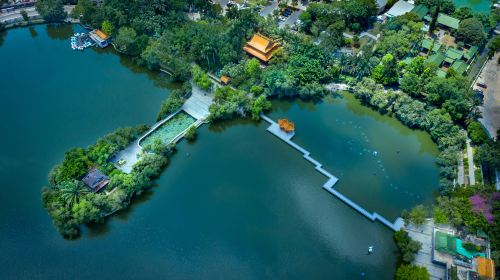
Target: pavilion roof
(400,8)
(448,21)
(459,67)
(436,58)
(471,52)
(453,54)
(421,11)
(261,47)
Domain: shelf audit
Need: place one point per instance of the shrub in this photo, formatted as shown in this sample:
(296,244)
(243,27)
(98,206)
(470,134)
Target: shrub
(191,133)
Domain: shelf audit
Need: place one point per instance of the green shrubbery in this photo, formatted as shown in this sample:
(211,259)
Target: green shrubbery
(407,247)
(174,101)
(71,204)
(191,133)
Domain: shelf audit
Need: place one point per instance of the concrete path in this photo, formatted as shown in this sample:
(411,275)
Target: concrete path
(497,184)
(337,87)
(362,34)
(424,234)
(328,186)
(491,106)
(470,155)
(198,103)
(461,178)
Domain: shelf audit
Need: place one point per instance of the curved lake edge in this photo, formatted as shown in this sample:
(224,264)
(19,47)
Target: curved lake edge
(106,232)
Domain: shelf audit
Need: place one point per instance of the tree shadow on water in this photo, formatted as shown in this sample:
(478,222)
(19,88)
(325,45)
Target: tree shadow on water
(221,126)
(60,31)
(33,32)
(3,34)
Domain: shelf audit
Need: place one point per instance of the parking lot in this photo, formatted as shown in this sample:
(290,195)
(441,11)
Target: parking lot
(491,105)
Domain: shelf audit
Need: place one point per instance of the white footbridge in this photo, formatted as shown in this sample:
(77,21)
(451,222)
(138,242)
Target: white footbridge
(331,180)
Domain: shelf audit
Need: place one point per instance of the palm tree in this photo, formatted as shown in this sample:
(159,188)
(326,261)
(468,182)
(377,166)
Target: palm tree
(72,191)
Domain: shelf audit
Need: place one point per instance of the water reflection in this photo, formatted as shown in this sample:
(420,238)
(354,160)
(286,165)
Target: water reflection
(2,37)
(59,31)
(33,32)
(137,200)
(221,126)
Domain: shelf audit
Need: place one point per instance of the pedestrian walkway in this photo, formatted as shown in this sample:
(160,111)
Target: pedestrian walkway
(425,234)
(470,158)
(196,105)
(328,186)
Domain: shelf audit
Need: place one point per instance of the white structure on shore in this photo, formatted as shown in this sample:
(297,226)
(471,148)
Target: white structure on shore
(99,37)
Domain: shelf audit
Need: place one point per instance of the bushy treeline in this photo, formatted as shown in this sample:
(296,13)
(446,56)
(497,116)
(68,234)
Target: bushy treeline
(71,204)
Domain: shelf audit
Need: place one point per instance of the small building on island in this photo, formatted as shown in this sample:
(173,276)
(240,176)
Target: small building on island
(261,47)
(100,38)
(95,180)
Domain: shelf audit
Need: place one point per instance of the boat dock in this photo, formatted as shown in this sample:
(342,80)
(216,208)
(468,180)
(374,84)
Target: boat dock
(274,128)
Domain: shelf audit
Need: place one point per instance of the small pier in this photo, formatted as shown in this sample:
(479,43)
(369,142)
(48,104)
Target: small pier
(275,129)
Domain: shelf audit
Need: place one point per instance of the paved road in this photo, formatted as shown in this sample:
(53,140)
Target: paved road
(16,14)
(269,9)
(472,177)
(291,20)
(491,106)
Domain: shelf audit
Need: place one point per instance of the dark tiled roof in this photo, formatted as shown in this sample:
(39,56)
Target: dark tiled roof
(95,179)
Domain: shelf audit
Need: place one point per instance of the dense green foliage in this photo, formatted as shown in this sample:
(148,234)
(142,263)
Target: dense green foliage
(412,272)
(353,14)
(471,32)
(51,10)
(174,101)
(416,216)
(191,133)
(71,204)
(477,133)
(200,78)
(407,247)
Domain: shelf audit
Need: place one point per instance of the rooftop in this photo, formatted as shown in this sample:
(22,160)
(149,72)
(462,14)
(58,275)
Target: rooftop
(486,268)
(436,58)
(429,44)
(400,8)
(471,52)
(453,54)
(448,21)
(459,67)
(420,10)
(261,47)
(95,180)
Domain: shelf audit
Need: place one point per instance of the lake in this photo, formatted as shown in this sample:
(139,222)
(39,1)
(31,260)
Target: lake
(477,6)
(236,204)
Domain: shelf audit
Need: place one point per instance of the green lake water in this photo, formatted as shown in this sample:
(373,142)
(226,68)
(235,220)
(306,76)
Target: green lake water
(236,204)
(477,6)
